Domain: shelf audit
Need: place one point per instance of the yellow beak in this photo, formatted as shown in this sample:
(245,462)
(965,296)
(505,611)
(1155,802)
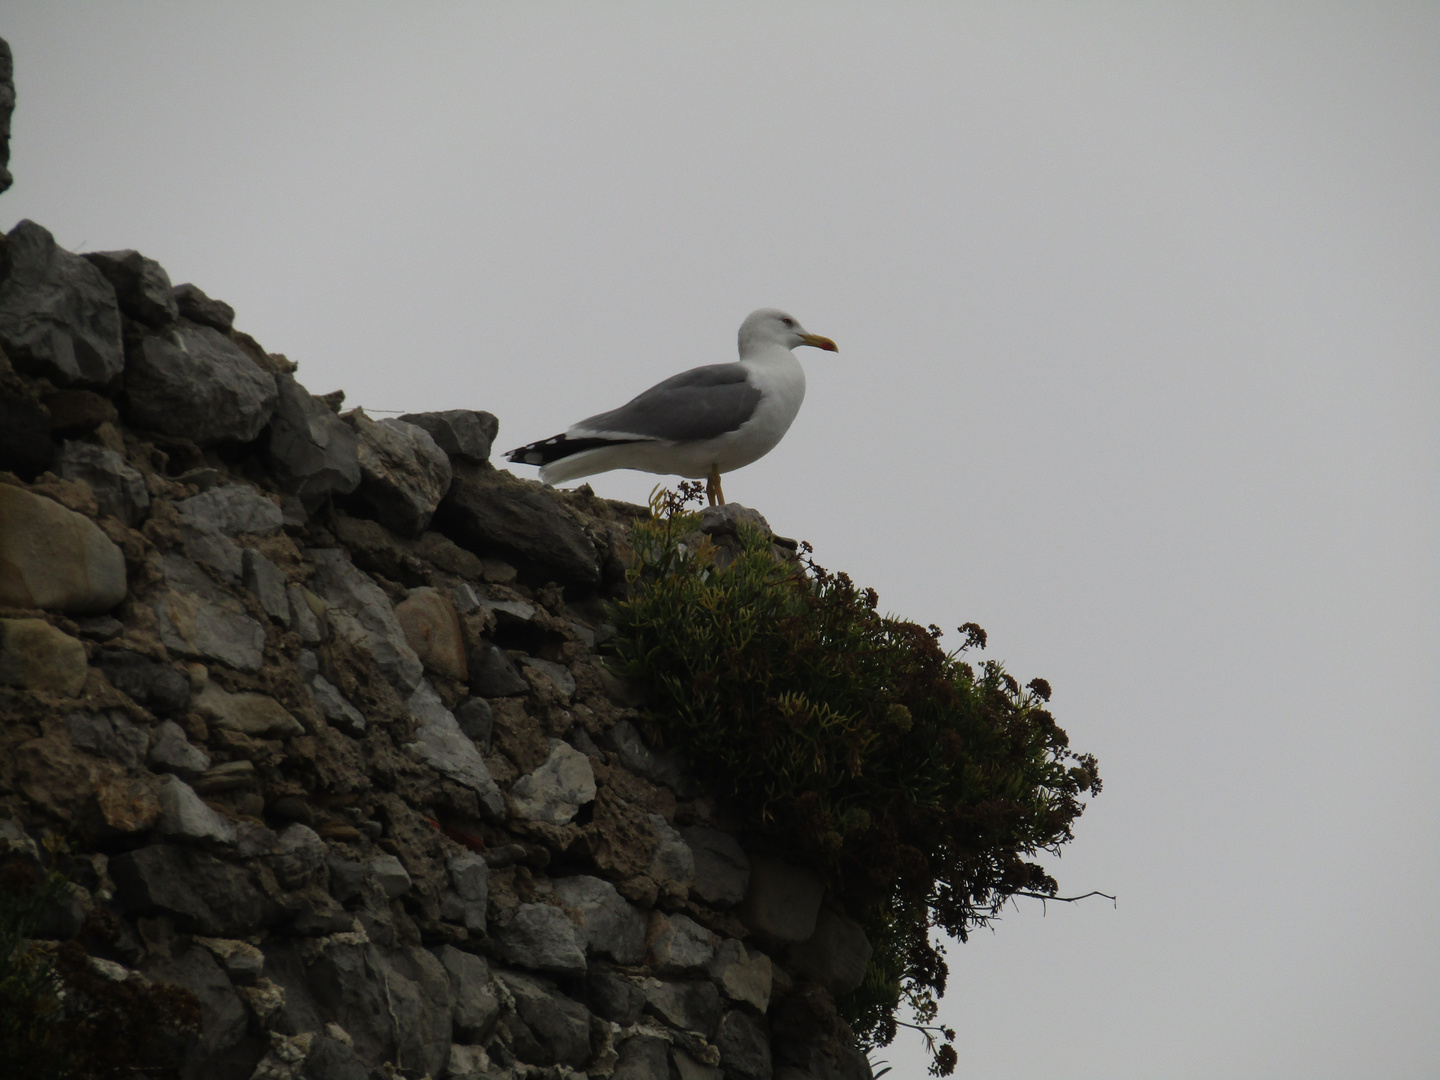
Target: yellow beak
(819,342)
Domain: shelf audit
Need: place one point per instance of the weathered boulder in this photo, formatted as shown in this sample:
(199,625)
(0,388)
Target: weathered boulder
(299,857)
(204,894)
(257,715)
(555,791)
(466,900)
(835,955)
(184,817)
(689,1006)
(36,656)
(541,937)
(782,902)
(359,612)
(743,974)
(58,315)
(677,944)
(335,708)
(744,1047)
(722,869)
(403,474)
(193,304)
(609,925)
(119,487)
(159,687)
(476,1006)
(109,734)
(441,744)
(432,627)
(495,513)
(552,1029)
(54,558)
(462,433)
(171,751)
(230,510)
(493,673)
(313,453)
(194,382)
(141,285)
(199,619)
(267,581)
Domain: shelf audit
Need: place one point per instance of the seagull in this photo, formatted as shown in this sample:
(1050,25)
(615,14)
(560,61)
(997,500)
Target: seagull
(701,423)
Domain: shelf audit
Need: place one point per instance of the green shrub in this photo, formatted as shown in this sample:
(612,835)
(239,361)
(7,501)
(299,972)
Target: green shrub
(917,785)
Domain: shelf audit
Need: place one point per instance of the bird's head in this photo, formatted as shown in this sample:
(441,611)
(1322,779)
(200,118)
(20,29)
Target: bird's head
(771,327)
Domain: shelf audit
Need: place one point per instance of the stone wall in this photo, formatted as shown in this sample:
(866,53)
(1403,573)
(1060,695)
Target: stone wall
(316,702)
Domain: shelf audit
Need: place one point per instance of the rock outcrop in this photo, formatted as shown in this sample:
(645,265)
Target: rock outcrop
(356,774)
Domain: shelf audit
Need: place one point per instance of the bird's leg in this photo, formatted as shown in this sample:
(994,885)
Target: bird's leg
(712,487)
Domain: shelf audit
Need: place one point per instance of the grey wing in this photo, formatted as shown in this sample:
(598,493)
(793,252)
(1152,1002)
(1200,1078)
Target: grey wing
(697,404)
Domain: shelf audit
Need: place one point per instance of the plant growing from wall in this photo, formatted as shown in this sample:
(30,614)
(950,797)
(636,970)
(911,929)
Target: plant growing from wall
(918,785)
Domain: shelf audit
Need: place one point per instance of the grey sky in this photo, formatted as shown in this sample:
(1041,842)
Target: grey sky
(1137,312)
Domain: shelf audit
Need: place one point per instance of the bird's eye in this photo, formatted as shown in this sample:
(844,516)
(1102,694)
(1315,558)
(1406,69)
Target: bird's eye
(788,321)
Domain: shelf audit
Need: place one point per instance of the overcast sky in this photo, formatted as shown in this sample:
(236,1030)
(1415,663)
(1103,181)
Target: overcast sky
(1138,326)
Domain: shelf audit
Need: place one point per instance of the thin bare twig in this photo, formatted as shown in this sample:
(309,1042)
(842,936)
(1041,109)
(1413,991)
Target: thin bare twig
(1067,899)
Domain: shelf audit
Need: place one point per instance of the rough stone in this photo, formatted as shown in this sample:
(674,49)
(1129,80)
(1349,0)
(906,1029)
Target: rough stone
(159,687)
(744,1047)
(299,857)
(559,1028)
(690,1006)
(558,674)
(614,996)
(206,896)
(195,383)
(193,304)
(835,956)
(232,509)
(267,582)
(555,791)
(307,614)
(142,287)
(36,656)
(722,869)
(334,1059)
(313,453)
(542,938)
(26,446)
(609,926)
(359,612)
(687,1068)
(432,627)
(171,751)
(258,715)
(198,619)
(782,902)
(118,486)
(475,718)
(225,1049)
(677,943)
(214,549)
(403,474)
(493,674)
(391,874)
(226,777)
(476,1005)
(335,708)
(58,315)
(466,901)
(184,817)
(110,735)
(242,961)
(493,512)
(672,859)
(54,558)
(461,433)
(643,1057)
(441,744)
(726,519)
(743,975)
(656,766)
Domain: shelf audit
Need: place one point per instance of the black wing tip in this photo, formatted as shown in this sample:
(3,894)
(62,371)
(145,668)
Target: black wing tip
(559,447)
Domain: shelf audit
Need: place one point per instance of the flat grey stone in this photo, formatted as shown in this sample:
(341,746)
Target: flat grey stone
(232,509)
(403,474)
(171,751)
(461,433)
(614,996)
(743,974)
(554,792)
(677,944)
(299,856)
(465,902)
(59,318)
(558,674)
(193,304)
(689,1006)
(558,1028)
(359,612)
(493,673)
(214,549)
(204,894)
(476,1005)
(390,872)
(109,735)
(141,285)
(744,1047)
(609,925)
(198,619)
(312,452)
(310,626)
(184,817)
(119,487)
(267,581)
(441,744)
(335,708)
(672,859)
(542,938)
(194,382)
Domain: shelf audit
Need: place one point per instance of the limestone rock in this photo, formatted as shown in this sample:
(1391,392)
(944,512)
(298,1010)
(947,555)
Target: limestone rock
(194,382)
(672,859)
(461,433)
(441,744)
(689,1006)
(783,901)
(677,944)
(390,873)
(609,925)
(359,612)
(141,285)
(476,1006)
(109,734)
(493,673)
(556,1030)
(476,718)
(432,628)
(744,1047)
(159,687)
(743,975)
(232,509)
(557,674)
(555,791)
(313,453)
(54,558)
(465,902)
(614,996)
(299,856)
(722,869)
(119,487)
(200,620)
(184,817)
(58,315)
(172,752)
(403,474)
(307,614)
(257,715)
(267,582)
(542,938)
(193,304)
(206,895)
(36,656)
(335,708)
(835,955)
(493,513)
